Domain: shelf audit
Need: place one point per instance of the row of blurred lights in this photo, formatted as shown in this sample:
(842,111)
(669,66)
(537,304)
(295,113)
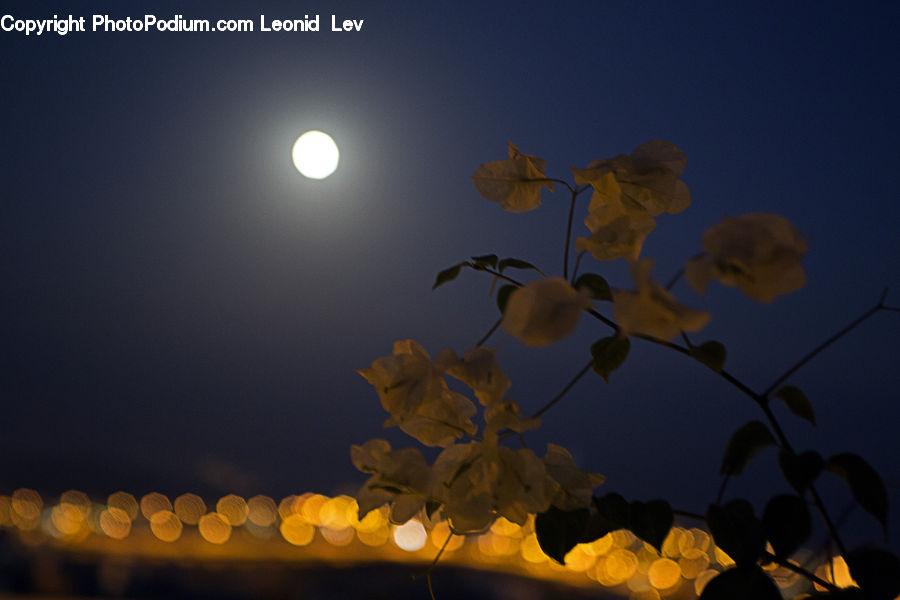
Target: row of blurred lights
(619,559)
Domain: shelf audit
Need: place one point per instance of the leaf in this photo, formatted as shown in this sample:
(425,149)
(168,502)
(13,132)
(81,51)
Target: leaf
(558,531)
(746,443)
(800,470)
(741,583)
(865,484)
(787,524)
(448,274)
(609,354)
(515,263)
(503,296)
(597,286)
(489,260)
(711,354)
(797,402)
(611,512)
(876,571)
(431,507)
(652,521)
(737,531)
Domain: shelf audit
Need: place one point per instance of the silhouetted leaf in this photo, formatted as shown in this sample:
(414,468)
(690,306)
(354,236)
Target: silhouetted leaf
(488,260)
(876,571)
(597,286)
(609,513)
(787,524)
(431,507)
(515,263)
(558,531)
(865,483)
(741,583)
(800,470)
(737,531)
(651,521)
(609,354)
(797,402)
(448,274)
(711,354)
(503,296)
(746,443)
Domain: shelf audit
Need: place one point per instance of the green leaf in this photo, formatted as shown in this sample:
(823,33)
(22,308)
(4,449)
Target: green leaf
(876,571)
(800,470)
(488,260)
(787,524)
(652,521)
(797,402)
(737,531)
(448,274)
(711,354)
(746,443)
(741,583)
(609,513)
(558,531)
(515,263)
(503,296)
(597,286)
(609,354)
(865,483)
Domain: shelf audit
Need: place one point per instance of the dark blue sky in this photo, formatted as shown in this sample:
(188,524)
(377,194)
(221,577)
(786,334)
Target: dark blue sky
(182,311)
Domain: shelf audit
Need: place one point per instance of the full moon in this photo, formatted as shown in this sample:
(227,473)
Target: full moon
(315,154)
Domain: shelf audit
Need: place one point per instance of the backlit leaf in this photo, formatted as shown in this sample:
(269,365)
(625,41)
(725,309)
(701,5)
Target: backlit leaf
(609,354)
(558,531)
(515,263)
(800,470)
(503,296)
(797,402)
(489,260)
(746,443)
(711,354)
(448,274)
(787,524)
(864,481)
(597,286)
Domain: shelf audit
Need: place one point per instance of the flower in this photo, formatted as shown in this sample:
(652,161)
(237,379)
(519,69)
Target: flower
(760,253)
(648,179)
(576,487)
(415,394)
(515,183)
(401,477)
(544,311)
(615,232)
(479,370)
(651,310)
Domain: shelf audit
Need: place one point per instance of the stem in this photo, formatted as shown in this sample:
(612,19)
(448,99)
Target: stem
(569,234)
(796,367)
(675,278)
(577,263)
(489,333)
(564,391)
(434,564)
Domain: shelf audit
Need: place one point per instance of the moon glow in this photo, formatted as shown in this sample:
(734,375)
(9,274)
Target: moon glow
(315,154)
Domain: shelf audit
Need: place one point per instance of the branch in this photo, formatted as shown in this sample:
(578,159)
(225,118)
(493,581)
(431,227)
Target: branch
(564,391)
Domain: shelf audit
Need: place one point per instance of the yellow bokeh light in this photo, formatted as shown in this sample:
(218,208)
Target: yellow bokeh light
(154,502)
(115,523)
(337,537)
(297,531)
(671,544)
(189,508)
(67,519)
(438,537)
(579,560)
(165,525)
(701,539)
(333,513)
(373,521)
(286,506)
(621,564)
(600,546)
(693,562)
(410,536)
(504,527)
(27,504)
(650,594)
(378,537)
(233,508)
(214,528)
(664,573)
(722,558)
(124,502)
(639,582)
(77,500)
(841,571)
(531,551)
(311,506)
(261,511)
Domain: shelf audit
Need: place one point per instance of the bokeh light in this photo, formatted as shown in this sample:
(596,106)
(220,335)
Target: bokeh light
(154,502)
(189,508)
(214,528)
(410,536)
(165,525)
(233,508)
(297,530)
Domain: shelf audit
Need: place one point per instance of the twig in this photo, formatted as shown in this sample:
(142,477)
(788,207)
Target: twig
(489,333)
(564,391)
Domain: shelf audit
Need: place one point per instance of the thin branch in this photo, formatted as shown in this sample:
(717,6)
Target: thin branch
(489,333)
(801,571)
(434,564)
(675,279)
(569,235)
(564,391)
(796,367)
(577,264)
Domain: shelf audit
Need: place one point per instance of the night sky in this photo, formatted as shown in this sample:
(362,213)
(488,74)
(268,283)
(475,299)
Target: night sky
(181,310)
